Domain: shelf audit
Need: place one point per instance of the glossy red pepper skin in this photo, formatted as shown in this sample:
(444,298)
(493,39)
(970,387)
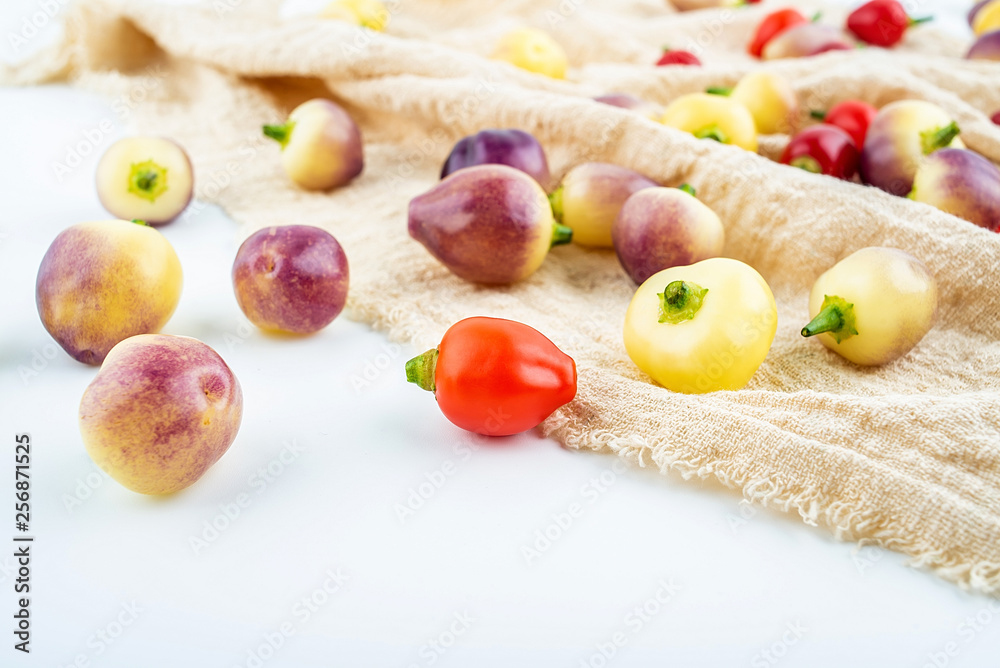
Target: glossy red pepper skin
(677,58)
(497,377)
(823,149)
(880,22)
(853,117)
(773,25)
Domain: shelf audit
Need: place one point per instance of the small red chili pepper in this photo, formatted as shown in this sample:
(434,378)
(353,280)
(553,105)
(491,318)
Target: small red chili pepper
(881,22)
(773,25)
(495,377)
(677,58)
(823,149)
(851,116)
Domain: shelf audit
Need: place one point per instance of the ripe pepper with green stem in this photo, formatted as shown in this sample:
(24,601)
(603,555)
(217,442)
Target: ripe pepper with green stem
(702,327)
(873,306)
(495,377)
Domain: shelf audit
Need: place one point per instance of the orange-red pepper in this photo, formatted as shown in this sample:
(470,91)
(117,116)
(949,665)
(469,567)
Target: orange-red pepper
(495,377)
(771,26)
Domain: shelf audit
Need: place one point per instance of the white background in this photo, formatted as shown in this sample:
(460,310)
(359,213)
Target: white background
(743,577)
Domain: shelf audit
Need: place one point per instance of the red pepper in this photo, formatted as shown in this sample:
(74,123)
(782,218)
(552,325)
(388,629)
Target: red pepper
(495,377)
(851,116)
(773,25)
(677,58)
(881,22)
(823,149)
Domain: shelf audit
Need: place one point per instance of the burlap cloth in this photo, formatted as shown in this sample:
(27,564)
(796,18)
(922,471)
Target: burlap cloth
(906,456)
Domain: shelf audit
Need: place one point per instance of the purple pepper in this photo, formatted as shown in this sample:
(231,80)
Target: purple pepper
(986,47)
(659,228)
(488,224)
(962,183)
(514,148)
(901,134)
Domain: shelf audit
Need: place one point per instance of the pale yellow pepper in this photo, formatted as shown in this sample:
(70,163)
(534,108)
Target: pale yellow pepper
(533,50)
(702,327)
(873,306)
(713,117)
(770,99)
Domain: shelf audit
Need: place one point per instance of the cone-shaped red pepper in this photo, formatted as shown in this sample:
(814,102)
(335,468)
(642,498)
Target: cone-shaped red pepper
(495,377)
(881,22)
(773,25)
(851,116)
(678,57)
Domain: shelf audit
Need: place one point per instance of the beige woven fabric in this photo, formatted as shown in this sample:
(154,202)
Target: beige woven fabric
(906,456)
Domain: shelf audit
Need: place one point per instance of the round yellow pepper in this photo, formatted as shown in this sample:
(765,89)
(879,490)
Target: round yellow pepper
(713,117)
(873,306)
(533,50)
(702,327)
(367,13)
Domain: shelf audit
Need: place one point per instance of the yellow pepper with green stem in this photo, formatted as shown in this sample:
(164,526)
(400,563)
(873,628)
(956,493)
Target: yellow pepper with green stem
(873,306)
(702,327)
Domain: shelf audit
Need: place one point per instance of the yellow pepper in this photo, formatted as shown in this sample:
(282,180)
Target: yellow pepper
(368,13)
(713,117)
(873,306)
(533,50)
(702,327)
(770,99)
(987,18)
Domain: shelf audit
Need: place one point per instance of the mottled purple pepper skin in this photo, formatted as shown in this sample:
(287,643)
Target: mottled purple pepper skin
(622,100)
(292,278)
(881,165)
(160,412)
(488,224)
(893,147)
(514,148)
(659,228)
(962,183)
(986,47)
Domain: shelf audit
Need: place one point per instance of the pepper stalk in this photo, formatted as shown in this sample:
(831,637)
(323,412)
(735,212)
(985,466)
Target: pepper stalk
(836,317)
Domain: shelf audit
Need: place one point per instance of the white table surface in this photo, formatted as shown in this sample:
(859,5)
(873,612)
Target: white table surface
(656,570)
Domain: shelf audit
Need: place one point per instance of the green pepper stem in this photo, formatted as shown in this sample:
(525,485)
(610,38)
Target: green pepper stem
(713,132)
(808,163)
(922,19)
(818,114)
(556,200)
(724,91)
(420,370)
(932,140)
(681,301)
(280,133)
(816,17)
(835,317)
(689,189)
(561,234)
(140,222)
(147,180)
